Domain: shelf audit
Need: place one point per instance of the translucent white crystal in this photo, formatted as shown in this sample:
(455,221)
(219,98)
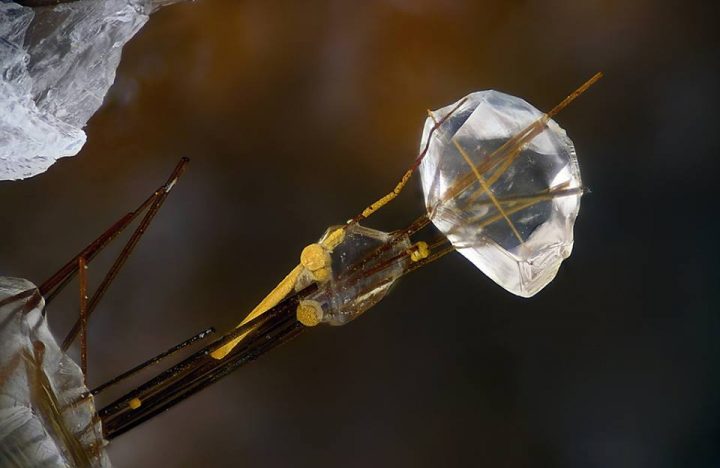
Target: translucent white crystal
(56,65)
(43,419)
(364,267)
(521,244)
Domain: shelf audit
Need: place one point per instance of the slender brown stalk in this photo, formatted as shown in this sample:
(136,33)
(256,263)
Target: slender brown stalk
(53,285)
(154,360)
(82,274)
(159,198)
(263,333)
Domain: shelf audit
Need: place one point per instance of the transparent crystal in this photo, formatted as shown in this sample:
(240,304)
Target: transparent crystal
(56,65)
(44,421)
(364,267)
(515,221)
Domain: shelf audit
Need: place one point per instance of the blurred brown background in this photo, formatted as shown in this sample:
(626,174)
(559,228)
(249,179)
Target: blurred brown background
(296,115)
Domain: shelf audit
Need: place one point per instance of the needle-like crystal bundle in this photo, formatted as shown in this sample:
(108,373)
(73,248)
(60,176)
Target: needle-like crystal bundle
(46,416)
(502,182)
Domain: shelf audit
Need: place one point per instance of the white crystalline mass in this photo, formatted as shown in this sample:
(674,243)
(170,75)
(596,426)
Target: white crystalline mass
(520,245)
(44,421)
(56,65)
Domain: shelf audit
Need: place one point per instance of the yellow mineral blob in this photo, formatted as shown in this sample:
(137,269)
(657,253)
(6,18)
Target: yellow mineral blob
(420,251)
(309,313)
(314,257)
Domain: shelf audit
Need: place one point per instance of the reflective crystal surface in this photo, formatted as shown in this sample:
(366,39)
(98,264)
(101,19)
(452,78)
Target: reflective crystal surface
(56,65)
(509,212)
(43,419)
(364,267)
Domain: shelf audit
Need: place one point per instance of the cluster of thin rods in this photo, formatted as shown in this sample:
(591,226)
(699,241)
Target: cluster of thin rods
(279,324)
(265,332)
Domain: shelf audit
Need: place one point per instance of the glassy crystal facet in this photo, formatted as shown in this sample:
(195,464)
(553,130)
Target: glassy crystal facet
(47,417)
(56,65)
(364,267)
(512,215)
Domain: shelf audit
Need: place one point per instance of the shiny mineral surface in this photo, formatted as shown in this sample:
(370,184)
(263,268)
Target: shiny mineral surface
(46,419)
(509,213)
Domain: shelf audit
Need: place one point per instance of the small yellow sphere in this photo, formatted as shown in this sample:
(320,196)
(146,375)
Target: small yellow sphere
(309,313)
(313,257)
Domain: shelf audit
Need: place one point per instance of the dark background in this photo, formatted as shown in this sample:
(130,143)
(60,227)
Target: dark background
(296,115)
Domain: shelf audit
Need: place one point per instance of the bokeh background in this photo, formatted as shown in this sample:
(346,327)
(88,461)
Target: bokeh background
(296,115)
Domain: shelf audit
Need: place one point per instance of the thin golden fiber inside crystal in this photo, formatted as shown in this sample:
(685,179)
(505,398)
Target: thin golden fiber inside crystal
(527,203)
(509,150)
(487,189)
(480,179)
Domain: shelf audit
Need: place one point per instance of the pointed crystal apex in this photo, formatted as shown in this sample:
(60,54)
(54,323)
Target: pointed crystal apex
(502,182)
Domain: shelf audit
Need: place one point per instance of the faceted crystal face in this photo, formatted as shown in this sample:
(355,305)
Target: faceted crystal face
(56,65)
(504,187)
(46,417)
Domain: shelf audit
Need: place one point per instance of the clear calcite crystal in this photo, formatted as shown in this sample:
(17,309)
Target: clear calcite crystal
(46,416)
(512,214)
(364,266)
(56,65)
